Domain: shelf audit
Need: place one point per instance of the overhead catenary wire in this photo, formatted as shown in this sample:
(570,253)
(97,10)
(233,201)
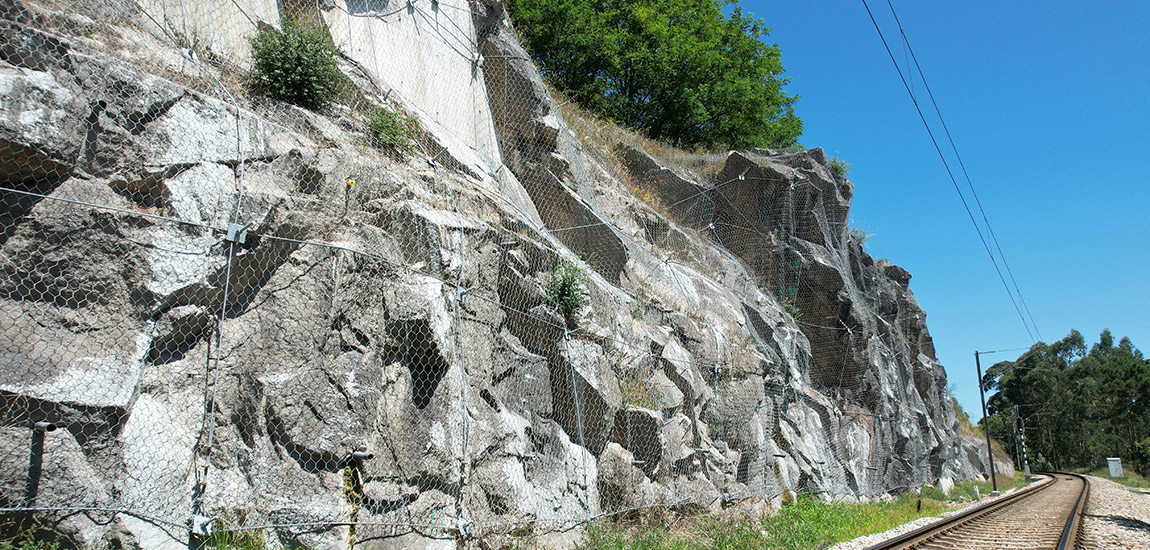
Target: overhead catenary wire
(950,173)
(962,166)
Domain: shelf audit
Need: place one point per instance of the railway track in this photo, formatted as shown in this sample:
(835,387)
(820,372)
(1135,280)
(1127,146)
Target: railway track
(1040,517)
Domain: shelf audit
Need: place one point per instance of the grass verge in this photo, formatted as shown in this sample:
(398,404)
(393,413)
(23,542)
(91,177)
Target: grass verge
(1129,477)
(807,524)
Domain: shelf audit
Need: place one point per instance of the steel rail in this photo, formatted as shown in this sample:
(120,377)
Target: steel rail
(908,540)
(1074,522)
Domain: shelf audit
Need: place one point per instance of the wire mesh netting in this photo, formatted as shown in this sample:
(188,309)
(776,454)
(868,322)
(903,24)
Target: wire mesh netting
(439,310)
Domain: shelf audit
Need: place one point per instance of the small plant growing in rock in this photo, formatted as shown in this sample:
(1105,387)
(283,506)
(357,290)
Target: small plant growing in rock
(636,392)
(224,534)
(31,540)
(640,309)
(860,236)
(791,307)
(838,167)
(296,64)
(391,129)
(565,290)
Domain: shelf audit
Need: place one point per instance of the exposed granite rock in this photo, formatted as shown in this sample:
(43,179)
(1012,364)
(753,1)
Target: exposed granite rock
(737,345)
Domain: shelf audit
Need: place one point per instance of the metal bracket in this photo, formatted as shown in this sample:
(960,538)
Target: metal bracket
(237,233)
(459,293)
(202,526)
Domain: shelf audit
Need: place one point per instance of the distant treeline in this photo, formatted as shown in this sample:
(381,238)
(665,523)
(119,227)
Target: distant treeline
(1078,406)
(681,71)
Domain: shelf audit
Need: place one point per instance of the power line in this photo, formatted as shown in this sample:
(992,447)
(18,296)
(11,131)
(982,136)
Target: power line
(962,166)
(949,173)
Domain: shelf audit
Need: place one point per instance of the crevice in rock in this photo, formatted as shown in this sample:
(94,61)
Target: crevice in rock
(421,356)
(137,122)
(490,399)
(177,331)
(311,461)
(92,134)
(95,428)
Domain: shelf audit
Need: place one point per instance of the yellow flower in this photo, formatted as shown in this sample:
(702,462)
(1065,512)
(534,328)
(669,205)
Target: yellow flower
(350,182)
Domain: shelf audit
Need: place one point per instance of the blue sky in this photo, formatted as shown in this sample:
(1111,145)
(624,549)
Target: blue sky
(1049,105)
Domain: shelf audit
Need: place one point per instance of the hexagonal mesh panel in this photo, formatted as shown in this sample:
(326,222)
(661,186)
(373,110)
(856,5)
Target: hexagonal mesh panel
(421,304)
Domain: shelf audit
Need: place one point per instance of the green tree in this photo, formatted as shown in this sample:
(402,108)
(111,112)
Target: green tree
(679,70)
(1079,406)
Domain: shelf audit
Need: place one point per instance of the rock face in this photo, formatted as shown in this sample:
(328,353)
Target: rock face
(222,325)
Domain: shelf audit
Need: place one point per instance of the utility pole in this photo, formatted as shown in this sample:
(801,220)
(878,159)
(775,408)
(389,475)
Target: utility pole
(986,426)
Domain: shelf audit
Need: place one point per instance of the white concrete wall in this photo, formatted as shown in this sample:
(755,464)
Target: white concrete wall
(223,26)
(425,53)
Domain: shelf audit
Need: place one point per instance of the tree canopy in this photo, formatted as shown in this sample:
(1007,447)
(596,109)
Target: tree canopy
(1079,406)
(679,70)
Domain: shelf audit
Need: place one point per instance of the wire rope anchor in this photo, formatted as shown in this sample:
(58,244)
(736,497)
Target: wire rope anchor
(44,426)
(190,55)
(462,525)
(433,160)
(201,526)
(360,456)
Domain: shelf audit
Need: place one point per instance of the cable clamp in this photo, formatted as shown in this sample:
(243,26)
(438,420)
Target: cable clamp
(237,233)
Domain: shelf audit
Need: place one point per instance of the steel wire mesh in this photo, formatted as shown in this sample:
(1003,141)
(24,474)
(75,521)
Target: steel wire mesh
(224,313)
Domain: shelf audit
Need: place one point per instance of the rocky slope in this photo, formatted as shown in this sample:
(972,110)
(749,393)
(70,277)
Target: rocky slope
(218,319)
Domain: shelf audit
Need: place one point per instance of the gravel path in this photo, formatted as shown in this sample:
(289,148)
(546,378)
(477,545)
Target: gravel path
(1116,516)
